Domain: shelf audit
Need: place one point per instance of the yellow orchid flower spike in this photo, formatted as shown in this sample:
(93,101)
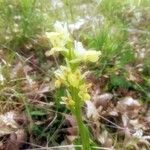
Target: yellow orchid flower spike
(69,76)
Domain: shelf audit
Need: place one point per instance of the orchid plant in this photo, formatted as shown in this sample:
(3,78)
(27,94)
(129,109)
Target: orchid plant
(70,76)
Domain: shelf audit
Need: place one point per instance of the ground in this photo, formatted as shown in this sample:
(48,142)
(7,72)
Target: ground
(117,115)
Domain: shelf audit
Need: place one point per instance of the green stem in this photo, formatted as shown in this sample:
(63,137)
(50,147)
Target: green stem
(83,131)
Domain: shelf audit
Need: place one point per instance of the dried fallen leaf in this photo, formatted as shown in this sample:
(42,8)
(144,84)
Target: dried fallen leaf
(92,112)
(11,143)
(71,124)
(1,145)
(102,100)
(104,139)
(7,123)
(11,124)
(129,106)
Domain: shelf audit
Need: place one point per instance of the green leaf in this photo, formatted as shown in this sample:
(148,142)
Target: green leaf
(37,113)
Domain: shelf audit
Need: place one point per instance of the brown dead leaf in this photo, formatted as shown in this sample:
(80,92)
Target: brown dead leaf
(71,138)
(7,123)
(21,137)
(16,140)
(20,70)
(71,126)
(11,124)
(102,100)
(92,112)
(133,75)
(129,106)
(70,120)
(104,139)
(11,143)
(21,119)
(1,146)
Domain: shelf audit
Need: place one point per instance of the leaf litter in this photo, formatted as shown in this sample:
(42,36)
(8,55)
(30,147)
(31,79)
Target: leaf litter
(124,119)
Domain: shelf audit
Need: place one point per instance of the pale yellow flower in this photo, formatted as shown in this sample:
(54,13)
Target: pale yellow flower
(58,39)
(62,28)
(74,78)
(60,77)
(54,50)
(68,101)
(85,55)
(84,96)
(61,35)
(92,56)
(83,93)
(58,83)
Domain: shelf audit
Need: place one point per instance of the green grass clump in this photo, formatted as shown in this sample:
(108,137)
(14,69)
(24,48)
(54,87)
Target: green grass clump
(22,21)
(113,42)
